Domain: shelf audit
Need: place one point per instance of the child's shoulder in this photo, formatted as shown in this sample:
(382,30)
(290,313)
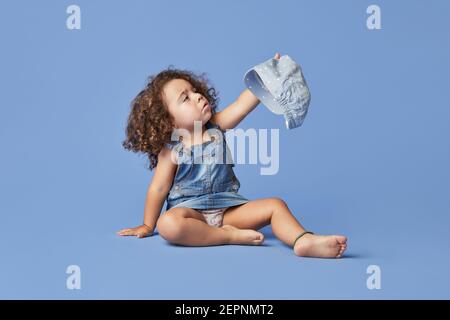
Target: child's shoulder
(165,152)
(169,151)
(212,124)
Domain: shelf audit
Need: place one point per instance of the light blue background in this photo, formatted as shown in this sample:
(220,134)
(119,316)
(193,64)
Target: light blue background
(371,160)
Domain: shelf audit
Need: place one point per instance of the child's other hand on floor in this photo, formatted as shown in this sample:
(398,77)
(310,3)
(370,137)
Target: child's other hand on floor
(142,231)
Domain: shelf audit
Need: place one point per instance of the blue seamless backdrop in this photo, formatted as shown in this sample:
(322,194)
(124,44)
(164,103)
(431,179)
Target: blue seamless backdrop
(371,160)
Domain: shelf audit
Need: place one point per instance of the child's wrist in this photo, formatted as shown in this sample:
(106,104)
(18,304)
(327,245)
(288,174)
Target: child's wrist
(147,226)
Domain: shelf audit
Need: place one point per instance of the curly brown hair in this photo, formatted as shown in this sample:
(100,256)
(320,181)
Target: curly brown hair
(149,125)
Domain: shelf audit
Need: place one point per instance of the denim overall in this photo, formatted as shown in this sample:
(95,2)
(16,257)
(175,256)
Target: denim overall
(204,178)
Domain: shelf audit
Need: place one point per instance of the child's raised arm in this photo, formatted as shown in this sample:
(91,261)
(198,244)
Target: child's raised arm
(156,194)
(229,117)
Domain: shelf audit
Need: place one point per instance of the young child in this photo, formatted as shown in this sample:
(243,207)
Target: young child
(204,207)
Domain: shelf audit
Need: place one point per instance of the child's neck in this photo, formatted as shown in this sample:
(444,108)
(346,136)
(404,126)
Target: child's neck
(196,139)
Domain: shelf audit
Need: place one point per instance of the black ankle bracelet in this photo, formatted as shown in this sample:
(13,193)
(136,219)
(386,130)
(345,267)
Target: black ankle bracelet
(301,235)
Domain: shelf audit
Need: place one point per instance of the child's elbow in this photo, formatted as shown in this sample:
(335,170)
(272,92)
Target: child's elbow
(161,190)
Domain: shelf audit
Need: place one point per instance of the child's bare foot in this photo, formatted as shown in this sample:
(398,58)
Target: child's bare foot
(244,236)
(311,245)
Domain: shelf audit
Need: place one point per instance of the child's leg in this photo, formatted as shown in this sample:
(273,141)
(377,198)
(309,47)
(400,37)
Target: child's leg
(186,226)
(259,213)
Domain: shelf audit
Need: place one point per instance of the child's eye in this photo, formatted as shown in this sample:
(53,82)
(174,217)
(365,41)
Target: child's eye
(186,98)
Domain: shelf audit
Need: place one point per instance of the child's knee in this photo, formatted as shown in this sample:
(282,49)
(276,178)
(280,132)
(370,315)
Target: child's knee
(169,226)
(277,203)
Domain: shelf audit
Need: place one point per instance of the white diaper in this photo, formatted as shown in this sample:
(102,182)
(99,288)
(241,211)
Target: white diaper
(213,217)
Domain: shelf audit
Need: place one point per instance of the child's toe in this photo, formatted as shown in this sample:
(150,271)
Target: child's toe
(341,239)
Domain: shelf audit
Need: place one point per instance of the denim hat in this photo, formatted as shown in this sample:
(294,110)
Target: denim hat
(281,87)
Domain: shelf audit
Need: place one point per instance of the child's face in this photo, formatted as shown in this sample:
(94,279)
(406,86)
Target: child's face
(185,104)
